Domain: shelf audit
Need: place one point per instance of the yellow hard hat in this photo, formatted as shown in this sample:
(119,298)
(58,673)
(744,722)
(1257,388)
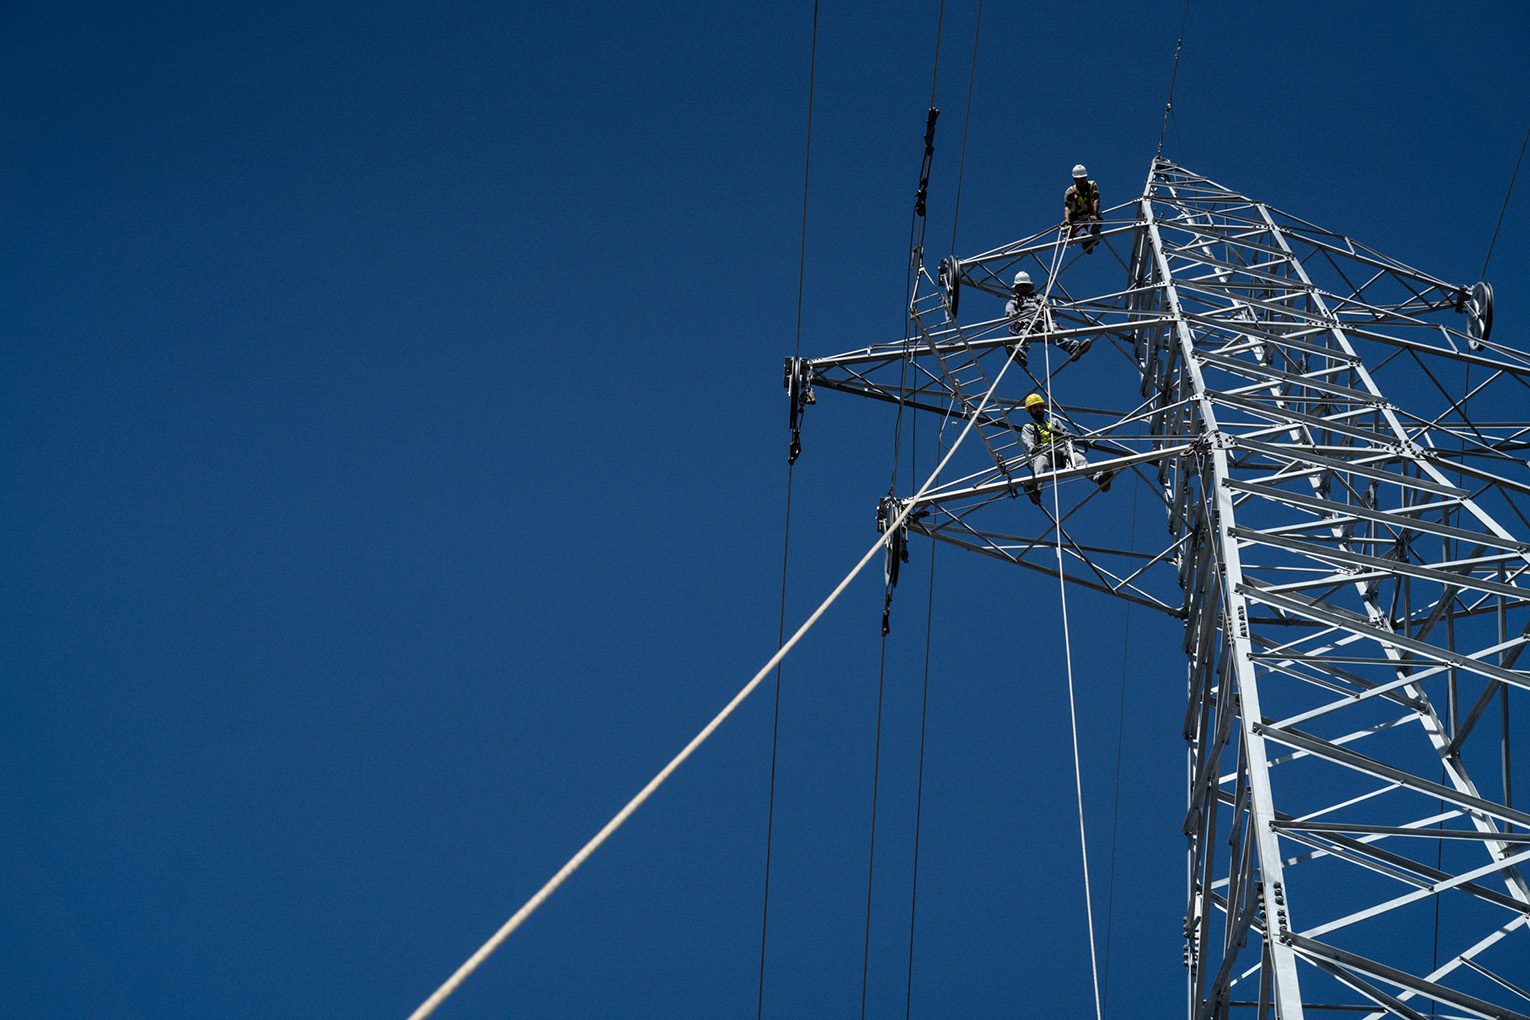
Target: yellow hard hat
(1034,400)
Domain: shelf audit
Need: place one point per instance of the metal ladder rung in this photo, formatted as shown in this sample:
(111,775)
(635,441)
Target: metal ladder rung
(967,375)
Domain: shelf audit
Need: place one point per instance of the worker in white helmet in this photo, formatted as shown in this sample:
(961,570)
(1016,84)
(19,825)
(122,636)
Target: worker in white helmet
(1030,319)
(1081,208)
(1050,448)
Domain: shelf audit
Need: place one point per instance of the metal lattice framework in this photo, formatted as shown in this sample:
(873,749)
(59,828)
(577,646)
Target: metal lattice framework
(1351,574)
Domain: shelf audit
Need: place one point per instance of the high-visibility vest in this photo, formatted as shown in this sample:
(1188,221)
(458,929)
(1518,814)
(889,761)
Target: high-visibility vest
(1080,202)
(1022,307)
(1047,433)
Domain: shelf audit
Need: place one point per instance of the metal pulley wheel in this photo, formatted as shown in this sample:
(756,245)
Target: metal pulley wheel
(949,278)
(1481,312)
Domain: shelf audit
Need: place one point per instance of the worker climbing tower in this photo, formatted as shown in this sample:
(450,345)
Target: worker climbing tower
(1347,551)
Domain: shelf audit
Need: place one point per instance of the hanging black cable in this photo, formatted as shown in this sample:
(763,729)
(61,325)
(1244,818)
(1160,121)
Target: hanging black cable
(871,853)
(929,610)
(910,282)
(924,714)
(775,730)
(961,168)
(916,247)
(916,253)
(940,20)
(775,726)
(1168,106)
(1505,208)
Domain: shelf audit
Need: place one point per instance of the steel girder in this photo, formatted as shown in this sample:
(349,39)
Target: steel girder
(1353,574)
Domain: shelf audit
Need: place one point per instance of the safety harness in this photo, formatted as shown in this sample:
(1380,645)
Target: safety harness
(1047,433)
(1080,201)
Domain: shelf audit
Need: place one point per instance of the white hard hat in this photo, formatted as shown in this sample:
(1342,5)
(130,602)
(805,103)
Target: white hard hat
(1022,277)
(1079,171)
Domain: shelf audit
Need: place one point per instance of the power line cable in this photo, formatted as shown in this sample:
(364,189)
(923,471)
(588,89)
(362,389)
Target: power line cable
(929,614)
(916,258)
(871,854)
(1168,105)
(866,947)
(924,714)
(1505,208)
(786,540)
(910,281)
(916,228)
(775,729)
(961,169)
(940,20)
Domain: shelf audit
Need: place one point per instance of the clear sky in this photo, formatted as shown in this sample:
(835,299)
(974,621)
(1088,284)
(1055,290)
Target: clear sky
(394,462)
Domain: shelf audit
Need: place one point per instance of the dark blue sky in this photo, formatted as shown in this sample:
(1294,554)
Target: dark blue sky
(394,457)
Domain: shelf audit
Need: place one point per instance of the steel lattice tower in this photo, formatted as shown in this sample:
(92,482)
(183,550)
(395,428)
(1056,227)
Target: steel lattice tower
(1351,574)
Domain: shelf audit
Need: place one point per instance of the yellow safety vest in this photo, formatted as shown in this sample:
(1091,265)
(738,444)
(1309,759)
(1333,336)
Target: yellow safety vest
(1080,202)
(1046,433)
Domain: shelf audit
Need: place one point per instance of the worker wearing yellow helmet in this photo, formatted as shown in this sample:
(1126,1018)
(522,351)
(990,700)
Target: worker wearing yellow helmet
(1050,448)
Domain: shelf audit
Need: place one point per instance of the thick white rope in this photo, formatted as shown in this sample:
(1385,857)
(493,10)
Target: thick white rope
(463,972)
(1078,781)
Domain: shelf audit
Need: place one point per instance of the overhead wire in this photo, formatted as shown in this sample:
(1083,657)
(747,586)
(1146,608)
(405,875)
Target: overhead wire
(917,224)
(916,228)
(871,854)
(940,22)
(786,540)
(1168,106)
(775,730)
(911,281)
(924,715)
(527,909)
(1505,207)
(929,613)
(961,168)
(929,610)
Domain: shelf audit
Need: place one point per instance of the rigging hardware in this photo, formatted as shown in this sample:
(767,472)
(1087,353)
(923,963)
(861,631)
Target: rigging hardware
(799,387)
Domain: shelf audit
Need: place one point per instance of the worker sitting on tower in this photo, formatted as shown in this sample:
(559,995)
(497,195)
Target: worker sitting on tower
(1029,317)
(1081,208)
(1050,448)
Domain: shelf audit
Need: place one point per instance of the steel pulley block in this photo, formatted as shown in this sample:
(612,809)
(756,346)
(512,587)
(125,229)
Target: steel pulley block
(1480,312)
(949,278)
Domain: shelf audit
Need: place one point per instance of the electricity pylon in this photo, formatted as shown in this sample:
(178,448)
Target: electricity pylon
(1351,572)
